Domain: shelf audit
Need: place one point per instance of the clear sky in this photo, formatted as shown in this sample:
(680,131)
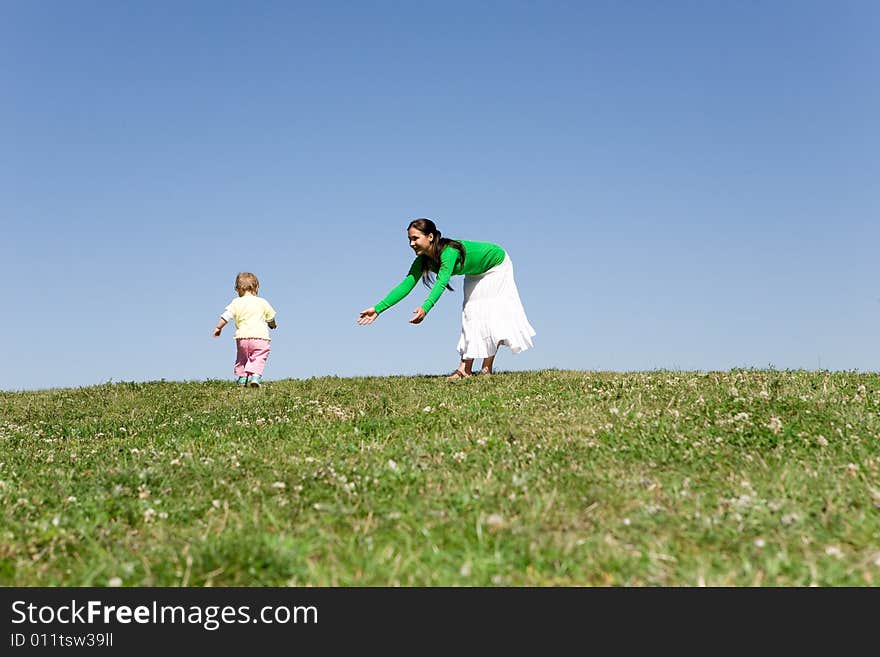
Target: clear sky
(687,185)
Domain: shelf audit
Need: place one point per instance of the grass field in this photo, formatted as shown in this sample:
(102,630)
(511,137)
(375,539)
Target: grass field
(662,478)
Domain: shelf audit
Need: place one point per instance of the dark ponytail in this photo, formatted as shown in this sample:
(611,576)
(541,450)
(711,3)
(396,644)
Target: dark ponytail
(427,227)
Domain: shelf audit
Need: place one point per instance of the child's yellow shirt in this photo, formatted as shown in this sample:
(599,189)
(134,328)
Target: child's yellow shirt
(251,314)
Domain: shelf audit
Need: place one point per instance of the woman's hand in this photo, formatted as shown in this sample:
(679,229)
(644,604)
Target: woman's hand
(419,316)
(368,316)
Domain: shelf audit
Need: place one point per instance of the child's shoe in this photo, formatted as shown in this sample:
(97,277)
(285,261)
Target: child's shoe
(255,381)
(242,381)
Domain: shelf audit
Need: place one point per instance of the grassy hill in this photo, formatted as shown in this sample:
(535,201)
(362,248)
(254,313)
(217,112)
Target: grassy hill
(738,478)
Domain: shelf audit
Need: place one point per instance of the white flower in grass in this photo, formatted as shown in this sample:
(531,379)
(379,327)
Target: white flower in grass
(465,570)
(614,410)
(392,465)
(427,409)
(280,485)
(71,499)
(459,456)
(834,551)
(148,515)
(481,442)
(494,521)
(822,440)
(760,542)
(775,425)
(114,582)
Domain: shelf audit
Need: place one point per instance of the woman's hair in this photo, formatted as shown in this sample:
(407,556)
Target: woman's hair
(427,227)
(246,282)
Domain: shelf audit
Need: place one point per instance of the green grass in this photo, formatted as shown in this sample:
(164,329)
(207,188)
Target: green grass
(663,478)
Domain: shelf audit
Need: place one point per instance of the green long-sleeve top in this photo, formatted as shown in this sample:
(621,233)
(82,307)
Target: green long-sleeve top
(479,257)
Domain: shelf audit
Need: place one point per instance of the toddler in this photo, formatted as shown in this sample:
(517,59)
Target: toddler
(253,316)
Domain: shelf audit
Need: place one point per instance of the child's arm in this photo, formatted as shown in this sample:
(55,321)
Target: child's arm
(272,323)
(220,325)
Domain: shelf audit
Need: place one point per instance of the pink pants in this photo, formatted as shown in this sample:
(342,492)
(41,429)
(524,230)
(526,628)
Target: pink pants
(251,356)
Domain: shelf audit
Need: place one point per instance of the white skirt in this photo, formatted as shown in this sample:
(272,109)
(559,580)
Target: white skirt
(492,314)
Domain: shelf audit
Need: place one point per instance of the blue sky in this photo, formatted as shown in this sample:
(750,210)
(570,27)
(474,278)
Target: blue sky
(686,185)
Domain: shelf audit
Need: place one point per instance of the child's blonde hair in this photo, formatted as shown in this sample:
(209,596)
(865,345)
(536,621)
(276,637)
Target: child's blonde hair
(246,282)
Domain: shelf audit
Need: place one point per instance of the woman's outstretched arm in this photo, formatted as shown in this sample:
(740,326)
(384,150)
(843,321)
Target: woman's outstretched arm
(369,315)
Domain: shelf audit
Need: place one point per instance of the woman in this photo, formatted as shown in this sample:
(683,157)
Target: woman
(492,313)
